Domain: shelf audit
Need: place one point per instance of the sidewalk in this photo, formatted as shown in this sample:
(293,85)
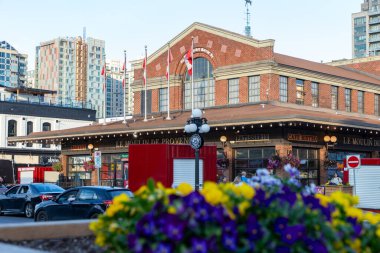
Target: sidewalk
(9,248)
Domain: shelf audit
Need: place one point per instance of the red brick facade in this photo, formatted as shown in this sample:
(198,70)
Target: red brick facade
(224,52)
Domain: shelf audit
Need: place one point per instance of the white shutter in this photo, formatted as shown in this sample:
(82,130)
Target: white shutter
(184,172)
(367,186)
(26,177)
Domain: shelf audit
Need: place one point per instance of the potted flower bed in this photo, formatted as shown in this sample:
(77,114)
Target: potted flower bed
(267,215)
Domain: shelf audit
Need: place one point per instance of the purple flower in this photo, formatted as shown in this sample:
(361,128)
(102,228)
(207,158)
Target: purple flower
(145,226)
(203,212)
(174,228)
(316,246)
(194,199)
(282,249)
(229,241)
(280,224)
(288,195)
(198,245)
(254,228)
(292,233)
(134,244)
(229,227)
(164,248)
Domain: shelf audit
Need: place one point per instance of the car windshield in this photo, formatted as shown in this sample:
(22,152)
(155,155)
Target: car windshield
(115,193)
(47,188)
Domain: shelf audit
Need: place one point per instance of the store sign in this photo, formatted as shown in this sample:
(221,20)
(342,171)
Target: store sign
(176,140)
(253,137)
(97,159)
(301,137)
(347,140)
(78,147)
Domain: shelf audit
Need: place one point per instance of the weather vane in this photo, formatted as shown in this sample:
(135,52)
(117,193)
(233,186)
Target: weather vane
(247,29)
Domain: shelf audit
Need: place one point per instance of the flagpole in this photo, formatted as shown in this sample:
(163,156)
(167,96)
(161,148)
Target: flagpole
(129,95)
(125,69)
(168,62)
(105,90)
(146,63)
(192,74)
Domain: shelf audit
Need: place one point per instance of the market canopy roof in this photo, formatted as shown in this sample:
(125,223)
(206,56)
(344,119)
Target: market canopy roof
(238,115)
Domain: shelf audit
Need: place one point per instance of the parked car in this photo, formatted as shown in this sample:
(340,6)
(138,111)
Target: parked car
(85,202)
(3,188)
(23,198)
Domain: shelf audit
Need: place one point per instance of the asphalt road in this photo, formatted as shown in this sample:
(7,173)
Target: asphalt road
(11,219)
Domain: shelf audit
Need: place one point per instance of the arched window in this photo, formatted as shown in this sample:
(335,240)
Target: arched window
(29,130)
(12,130)
(46,127)
(204,86)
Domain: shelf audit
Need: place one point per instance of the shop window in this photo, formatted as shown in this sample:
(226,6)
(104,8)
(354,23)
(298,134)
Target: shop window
(233,91)
(347,93)
(29,130)
(45,128)
(300,92)
(360,101)
(163,100)
(334,97)
(77,175)
(204,85)
(254,88)
(314,94)
(251,159)
(309,165)
(12,130)
(148,102)
(283,89)
(377,105)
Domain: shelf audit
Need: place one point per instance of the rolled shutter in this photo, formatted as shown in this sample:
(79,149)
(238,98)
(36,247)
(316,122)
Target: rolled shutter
(184,172)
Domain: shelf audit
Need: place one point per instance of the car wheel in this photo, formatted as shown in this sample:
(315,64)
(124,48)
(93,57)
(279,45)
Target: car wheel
(29,210)
(42,216)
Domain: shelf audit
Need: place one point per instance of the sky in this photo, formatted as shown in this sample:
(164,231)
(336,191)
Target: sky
(317,30)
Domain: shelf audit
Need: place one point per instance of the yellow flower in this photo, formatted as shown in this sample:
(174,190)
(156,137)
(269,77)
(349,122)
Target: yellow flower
(113,209)
(113,227)
(212,196)
(172,210)
(100,240)
(142,190)
(378,232)
(355,245)
(372,218)
(247,191)
(120,199)
(185,189)
(322,199)
(354,212)
(243,206)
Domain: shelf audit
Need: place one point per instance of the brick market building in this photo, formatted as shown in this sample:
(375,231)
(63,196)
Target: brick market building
(263,102)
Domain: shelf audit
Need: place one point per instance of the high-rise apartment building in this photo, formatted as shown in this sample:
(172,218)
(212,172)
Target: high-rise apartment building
(72,67)
(12,66)
(115,92)
(366,30)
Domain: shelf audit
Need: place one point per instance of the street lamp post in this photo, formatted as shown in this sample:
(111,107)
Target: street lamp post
(196,125)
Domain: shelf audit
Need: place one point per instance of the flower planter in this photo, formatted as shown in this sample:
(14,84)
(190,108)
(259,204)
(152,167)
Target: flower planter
(329,189)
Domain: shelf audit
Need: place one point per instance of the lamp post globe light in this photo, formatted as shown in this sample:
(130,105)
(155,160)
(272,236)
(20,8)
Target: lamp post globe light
(196,126)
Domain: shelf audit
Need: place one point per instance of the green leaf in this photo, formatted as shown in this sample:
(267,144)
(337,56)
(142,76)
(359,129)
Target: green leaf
(150,184)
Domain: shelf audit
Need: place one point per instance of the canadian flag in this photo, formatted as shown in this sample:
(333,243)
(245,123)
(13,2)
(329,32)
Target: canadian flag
(168,61)
(103,71)
(123,68)
(189,61)
(144,67)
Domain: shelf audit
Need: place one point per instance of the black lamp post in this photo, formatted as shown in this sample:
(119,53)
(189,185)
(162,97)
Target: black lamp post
(196,125)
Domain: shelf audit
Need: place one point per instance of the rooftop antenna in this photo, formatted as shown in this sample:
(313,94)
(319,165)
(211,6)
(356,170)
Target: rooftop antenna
(84,33)
(248,17)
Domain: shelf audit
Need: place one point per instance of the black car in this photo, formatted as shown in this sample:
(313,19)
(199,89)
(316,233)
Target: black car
(85,202)
(22,198)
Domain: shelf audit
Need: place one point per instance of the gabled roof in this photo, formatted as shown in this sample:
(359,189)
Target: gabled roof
(210,29)
(323,68)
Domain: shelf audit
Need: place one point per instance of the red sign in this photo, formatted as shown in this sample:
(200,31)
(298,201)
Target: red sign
(353,162)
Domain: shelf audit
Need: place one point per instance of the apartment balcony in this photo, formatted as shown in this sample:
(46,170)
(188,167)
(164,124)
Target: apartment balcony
(374,30)
(374,21)
(374,39)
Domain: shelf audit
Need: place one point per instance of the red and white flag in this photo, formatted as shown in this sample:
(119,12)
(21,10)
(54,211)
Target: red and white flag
(123,83)
(123,68)
(103,71)
(144,67)
(168,61)
(189,61)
